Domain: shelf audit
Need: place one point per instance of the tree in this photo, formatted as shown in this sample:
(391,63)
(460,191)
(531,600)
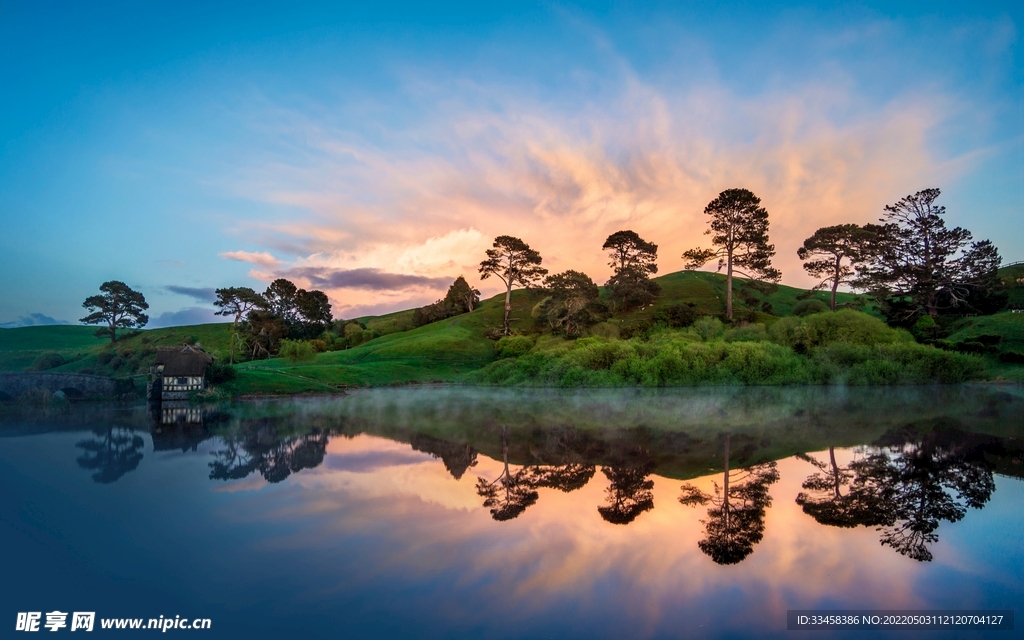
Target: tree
(314,311)
(832,253)
(513,262)
(282,299)
(627,249)
(634,261)
(573,303)
(735,520)
(119,306)
(461,297)
(739,228)
(237,301)
(917,266)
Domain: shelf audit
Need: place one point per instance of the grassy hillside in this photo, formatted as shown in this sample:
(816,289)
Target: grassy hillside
(448,350)
(20,348)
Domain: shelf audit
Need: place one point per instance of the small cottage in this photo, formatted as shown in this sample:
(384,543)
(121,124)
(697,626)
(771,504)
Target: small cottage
(177,372)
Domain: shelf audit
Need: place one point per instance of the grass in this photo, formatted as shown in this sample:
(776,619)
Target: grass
(458,349)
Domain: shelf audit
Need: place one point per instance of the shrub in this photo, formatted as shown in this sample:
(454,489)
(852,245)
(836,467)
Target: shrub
(809,307)
(748,333)
(104,357)
(926,329)
(708,328)
(319,345)
(1012,357)
(297,351)
(848,326)
(219,372)
(513,346)
(676,316)
(47,360)
(604,330)
(636,329)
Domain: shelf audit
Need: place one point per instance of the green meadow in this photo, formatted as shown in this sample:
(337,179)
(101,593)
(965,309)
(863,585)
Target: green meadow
(851,346)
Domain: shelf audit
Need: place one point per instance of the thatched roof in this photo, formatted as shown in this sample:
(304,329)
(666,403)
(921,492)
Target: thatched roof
(183,361)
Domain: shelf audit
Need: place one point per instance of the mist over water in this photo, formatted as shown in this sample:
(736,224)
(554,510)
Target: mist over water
(457,512)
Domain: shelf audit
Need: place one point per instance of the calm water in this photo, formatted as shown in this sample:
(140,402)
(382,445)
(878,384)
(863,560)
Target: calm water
(450,512)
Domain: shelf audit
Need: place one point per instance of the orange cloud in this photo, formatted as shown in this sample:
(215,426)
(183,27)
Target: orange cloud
(648,159)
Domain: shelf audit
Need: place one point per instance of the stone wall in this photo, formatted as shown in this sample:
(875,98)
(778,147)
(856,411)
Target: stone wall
(16,385)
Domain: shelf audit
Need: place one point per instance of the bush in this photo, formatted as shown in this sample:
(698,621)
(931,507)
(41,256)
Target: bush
(219,372)
(708,328)
(1012,357)
(926,329)
(748,333)
(636,329)
(319,345)
(297,351)
(47,360)
(809,307)
(513,346)
(847,326)
(676,316)
(104,357)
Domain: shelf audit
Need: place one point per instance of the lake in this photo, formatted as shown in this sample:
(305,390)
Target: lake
(455,512)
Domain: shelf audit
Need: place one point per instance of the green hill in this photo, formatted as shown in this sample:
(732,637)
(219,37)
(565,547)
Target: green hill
(443,351)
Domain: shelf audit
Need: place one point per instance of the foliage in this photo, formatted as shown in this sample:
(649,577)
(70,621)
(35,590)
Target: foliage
(513,346)
(634,261)
(119,306)
(739,228)
(572,304)
(513,262)
(297,351)
(918,266)
(236,302)
(809,307)
(461,298)
(676,316)
(219,372)
(47,360)
(708,328)
(833,253)
(845,326)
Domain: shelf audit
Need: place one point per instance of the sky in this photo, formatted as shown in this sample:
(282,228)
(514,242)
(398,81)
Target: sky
(374,150)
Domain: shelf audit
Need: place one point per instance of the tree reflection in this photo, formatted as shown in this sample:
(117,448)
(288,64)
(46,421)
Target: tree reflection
(906,488)
(457,458)
(275,459)
(920,483)
(735,521)
(572,449)
(630,492)
(509,494)
(831,500)
(117,451)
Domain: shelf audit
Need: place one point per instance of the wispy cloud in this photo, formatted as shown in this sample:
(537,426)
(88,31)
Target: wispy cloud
(185,317)
(32,320)
(199,294)
(367,278)
(261,258)
(610,150)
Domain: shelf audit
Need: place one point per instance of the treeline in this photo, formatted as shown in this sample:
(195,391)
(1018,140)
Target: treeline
(262,322)
(915,269)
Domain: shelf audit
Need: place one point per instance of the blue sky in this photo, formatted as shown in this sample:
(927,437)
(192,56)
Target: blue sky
(374,150)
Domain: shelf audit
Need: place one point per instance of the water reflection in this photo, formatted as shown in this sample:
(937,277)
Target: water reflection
(914,479)
(115,451)
(735,519)
(259,448)
(630,490)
